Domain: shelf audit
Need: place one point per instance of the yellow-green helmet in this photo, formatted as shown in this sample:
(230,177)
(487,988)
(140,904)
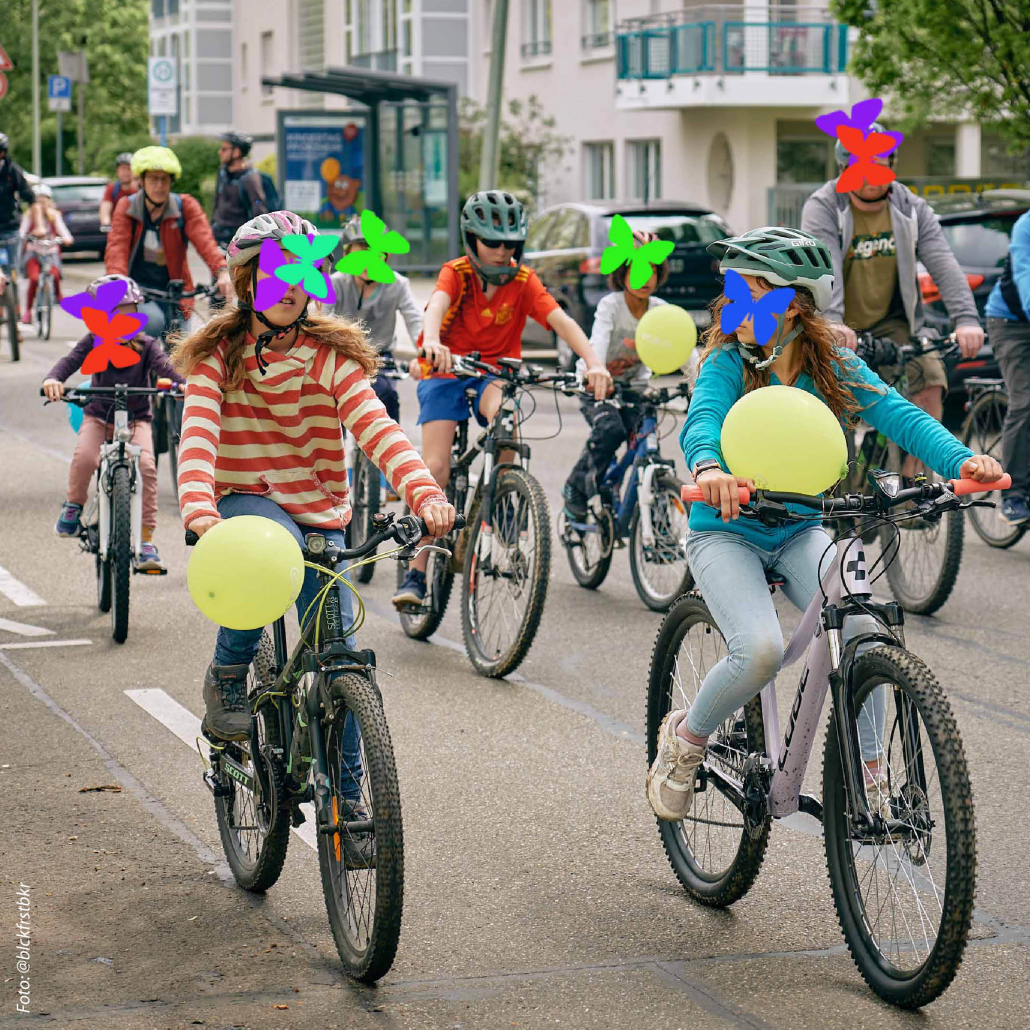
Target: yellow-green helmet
(156,159)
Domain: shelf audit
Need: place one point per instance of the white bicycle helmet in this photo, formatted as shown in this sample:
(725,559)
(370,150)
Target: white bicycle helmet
(274,225)
(43,190)
(133,294)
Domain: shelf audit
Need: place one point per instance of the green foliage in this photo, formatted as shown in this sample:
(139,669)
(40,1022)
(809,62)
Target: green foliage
(198,156)
(946,58)
(528,144)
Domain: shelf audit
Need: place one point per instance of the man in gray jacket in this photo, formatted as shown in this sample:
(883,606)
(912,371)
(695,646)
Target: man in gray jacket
(876,234)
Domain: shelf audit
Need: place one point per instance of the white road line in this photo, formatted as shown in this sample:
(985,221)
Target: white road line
(24,630)
(44,643)
(186,726)
(17,591)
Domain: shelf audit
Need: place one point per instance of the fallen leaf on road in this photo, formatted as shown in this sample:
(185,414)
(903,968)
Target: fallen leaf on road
(282,1006)
(114,788)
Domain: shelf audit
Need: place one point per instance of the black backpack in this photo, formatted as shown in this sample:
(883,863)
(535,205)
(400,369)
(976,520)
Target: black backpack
(272,202)
(1009,292)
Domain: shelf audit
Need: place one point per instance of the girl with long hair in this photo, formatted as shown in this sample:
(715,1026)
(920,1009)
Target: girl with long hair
(42,223)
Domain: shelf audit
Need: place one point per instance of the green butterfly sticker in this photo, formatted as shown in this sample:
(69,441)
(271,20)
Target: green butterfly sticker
(642,260)
(379,243)
(310,253)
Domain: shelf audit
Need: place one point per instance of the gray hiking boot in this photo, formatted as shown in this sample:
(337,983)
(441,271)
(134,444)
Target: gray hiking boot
(225,697)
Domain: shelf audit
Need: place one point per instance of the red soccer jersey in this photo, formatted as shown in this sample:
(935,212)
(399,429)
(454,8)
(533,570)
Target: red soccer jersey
(493,327)
(123,191)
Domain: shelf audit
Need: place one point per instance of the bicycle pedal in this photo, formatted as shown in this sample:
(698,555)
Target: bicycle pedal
(297,818)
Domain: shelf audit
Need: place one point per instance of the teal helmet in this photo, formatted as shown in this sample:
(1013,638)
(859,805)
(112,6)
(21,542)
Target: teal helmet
(785,257)
(844,158)
(496,217)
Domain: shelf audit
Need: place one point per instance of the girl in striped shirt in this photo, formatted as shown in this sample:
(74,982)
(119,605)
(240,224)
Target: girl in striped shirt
(266,392)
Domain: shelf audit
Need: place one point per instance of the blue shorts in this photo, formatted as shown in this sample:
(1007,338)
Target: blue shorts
(445,399)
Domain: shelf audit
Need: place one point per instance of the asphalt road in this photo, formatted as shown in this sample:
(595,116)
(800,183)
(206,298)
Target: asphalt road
(537,892)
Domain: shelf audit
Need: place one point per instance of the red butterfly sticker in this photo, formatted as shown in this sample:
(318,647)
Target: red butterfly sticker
(109,329)
(865,148)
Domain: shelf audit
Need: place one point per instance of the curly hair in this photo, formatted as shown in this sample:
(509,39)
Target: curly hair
(233,323)
(821,356)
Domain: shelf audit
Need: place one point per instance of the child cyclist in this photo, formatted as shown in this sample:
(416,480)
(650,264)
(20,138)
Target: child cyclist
(98,421)
(730,556)
(481,303)
(266,392)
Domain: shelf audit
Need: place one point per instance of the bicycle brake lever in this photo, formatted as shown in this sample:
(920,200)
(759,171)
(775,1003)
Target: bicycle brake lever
(432,549)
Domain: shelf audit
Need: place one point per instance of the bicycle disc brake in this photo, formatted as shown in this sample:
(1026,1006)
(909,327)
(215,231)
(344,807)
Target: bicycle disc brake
(757,778)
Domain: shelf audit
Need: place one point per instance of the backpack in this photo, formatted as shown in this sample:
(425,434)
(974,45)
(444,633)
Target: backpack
(1009,292)
(116,191)
(272,202)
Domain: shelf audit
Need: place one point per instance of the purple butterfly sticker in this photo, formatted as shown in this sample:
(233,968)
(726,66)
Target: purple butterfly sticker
(863,114)
(281,273)
(108,297)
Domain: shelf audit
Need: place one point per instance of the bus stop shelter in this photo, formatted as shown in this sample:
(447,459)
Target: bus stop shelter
(395,150)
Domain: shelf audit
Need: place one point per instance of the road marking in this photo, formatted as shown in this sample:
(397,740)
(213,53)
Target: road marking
(186,726)
(44,643)
(17,591)
(24,630)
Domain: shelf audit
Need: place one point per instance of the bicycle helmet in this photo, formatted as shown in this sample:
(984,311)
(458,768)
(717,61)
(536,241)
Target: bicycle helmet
(43,190)
(240,140)
(155,159)
(124,158)
(133,294)
(495,216)
(4,141)
(844,158)
(351,231)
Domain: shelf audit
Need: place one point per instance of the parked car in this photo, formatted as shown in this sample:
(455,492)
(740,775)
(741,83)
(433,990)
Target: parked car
(78,199)
(978,227)
(565,244)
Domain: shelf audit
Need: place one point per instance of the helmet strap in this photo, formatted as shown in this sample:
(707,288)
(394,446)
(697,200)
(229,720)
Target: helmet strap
(778,348)
(274,331)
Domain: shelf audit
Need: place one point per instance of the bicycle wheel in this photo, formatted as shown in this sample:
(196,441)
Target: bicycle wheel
(119,552)
(45,307)
(362,867)
(923,573)
(253,813)
(904,896)
(504,580)
(981,433)
(660,570)
(9,321)
(103,568)
(172,437)
(589,552)
(364,507)
(712,852)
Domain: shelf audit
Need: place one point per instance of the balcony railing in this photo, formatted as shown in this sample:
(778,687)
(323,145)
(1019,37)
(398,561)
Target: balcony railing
(380,61)
(538,48)
(722,40)
(596,40)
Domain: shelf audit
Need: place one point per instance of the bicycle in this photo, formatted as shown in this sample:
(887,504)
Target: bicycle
(988,406)
(47,253)
(366,486)
(913,850)
(925,574)
(9,296)
(303,706)
(504,554)
(168,411)
(646,512)
(112,521)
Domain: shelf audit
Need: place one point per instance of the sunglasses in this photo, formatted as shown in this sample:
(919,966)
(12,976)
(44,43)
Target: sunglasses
(495,244)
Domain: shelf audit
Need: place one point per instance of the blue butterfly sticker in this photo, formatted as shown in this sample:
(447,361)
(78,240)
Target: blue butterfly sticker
(742,304)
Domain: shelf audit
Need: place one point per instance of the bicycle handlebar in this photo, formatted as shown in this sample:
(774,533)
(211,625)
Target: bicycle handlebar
(882,350)
(74,395)
(203,290)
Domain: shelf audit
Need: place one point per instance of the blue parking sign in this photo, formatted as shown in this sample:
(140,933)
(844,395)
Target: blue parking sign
(59,92)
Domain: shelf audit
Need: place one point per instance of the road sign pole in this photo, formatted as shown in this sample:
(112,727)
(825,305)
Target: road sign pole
(82,128)
(60,144)
(163,122)
(37,159)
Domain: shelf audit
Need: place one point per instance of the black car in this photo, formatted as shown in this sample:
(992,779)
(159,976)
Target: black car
(978,227)
(78,199)
(565,244)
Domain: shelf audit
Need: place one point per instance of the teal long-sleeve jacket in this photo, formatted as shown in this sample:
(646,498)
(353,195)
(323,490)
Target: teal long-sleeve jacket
(720,384)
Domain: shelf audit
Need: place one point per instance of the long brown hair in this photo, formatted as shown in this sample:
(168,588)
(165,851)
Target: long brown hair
(233,324)
(821,357)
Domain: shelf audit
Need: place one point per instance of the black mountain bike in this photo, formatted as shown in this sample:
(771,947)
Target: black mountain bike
(9,296)
(504,553)
(319,734)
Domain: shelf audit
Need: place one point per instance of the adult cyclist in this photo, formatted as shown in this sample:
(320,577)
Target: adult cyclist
(239,193)
(875,236)
(151,230)
(13,185)
(124,185)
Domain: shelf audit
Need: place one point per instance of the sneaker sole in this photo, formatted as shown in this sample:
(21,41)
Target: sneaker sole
(652,798)
(213,734)
(1013,522)
(401,601)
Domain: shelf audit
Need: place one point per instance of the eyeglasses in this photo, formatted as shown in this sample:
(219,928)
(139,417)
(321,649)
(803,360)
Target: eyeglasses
(494,244)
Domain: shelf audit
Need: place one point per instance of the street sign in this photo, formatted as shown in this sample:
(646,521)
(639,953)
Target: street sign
(59,92)
(72,65)
(162,83)
(5,62)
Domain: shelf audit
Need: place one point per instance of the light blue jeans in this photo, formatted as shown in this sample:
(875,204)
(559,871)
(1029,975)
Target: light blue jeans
(730,573)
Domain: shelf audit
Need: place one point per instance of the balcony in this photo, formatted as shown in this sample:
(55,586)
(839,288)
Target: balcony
(379,61)
(732,56)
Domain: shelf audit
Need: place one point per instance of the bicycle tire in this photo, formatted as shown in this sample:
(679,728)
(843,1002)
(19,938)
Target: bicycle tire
(923,599)
(103,567)
(589,575)
(380,795)
(45,307)
(486,659)
(655,599)
(745,852)
(120,552)
(364,507)
(983,427)
(10,319)
(936,724)
(172,441)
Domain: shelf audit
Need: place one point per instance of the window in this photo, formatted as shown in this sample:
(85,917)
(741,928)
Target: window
(389,21)
(976,243)
(536,28)
(157,8)
(600,169)
(644,168)
(940,157)
(266,62)
(244,76)
(87,192)
(186,43)
(804,160)
(406,36)
(358,29)
(996,160)
(161,47)
(536,238)
(572,229)
(680,228)
(597,24)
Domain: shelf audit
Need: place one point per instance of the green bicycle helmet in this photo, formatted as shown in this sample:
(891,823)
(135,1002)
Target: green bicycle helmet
(786,257)
(495,216)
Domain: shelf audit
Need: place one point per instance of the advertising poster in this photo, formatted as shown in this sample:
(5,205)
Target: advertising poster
(323,162)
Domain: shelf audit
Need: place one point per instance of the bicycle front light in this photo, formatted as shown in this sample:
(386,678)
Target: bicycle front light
(886,483)
(315,543)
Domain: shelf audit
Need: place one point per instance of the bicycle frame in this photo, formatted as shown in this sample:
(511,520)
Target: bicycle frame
(120,451)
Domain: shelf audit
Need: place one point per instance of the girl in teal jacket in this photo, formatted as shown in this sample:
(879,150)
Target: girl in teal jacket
(730,557)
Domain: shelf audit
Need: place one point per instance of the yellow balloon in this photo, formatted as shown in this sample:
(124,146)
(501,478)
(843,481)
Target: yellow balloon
(245,572)
(666,337)
(784,439)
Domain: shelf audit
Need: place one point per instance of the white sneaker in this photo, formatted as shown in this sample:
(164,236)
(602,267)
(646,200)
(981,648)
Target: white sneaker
(670,780)
(878,796)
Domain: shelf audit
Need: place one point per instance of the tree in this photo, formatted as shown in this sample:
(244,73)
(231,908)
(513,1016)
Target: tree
(528,144)
(951,58)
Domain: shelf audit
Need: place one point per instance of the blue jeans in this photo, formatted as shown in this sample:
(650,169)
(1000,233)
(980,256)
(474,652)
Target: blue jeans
(239,646)
(730,573)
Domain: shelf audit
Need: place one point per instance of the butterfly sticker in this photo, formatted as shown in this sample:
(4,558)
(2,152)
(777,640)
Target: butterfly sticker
(623,249)
(109,296)
(863,114)
(863,149)
(108,330)
(371,261)
(742,305)
(309,251)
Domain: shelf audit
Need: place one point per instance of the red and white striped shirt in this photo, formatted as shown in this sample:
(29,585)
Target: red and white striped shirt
(278,435)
